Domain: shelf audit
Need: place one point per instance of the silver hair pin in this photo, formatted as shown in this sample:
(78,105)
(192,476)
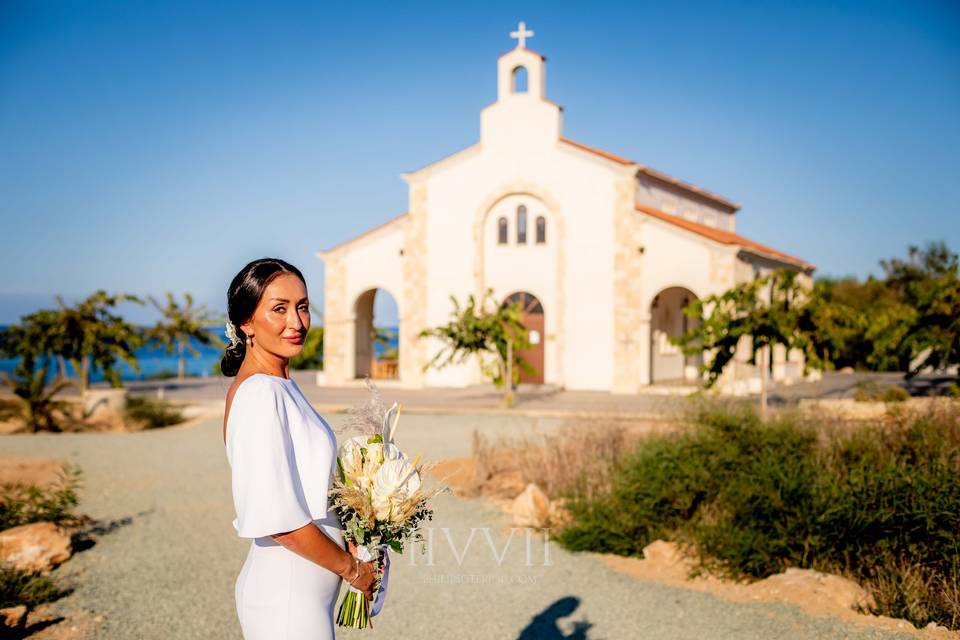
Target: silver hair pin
(231,334)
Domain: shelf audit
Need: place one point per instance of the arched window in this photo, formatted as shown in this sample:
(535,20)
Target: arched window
(502,231)
(519,78)
(541,230)
(521,225)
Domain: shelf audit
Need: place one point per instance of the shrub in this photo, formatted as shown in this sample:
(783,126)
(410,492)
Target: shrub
(879,504)
(23,504)
(152,413)
(19,587)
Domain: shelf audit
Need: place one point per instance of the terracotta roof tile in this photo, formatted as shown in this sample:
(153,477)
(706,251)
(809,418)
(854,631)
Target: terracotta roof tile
(653,173)
(725,237)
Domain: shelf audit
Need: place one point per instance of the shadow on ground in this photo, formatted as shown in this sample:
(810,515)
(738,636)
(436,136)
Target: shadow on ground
(544,626)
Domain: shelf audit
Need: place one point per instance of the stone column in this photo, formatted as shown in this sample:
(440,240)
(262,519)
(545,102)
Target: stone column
(627,346)
(337,323)
(414,306)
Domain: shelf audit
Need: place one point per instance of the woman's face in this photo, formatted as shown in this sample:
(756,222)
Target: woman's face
(281,320)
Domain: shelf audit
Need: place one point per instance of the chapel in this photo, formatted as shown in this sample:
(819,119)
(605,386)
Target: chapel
(601,251)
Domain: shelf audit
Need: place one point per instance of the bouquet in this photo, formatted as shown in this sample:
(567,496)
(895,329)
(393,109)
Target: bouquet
(379,499)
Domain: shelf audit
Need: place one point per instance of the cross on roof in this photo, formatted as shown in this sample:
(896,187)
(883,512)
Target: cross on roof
(521,34)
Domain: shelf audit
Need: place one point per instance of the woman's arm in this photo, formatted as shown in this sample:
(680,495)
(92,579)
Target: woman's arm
(314,545)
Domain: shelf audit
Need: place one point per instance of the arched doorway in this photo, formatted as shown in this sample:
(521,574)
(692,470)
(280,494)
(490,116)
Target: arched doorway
(533,320)
(667,320)
(376,335)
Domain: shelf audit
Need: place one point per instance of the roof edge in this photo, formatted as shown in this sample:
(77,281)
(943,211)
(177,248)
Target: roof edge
(728,238)
(364,234)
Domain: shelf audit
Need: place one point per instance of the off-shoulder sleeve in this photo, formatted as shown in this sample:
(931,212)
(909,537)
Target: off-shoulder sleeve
(267,492)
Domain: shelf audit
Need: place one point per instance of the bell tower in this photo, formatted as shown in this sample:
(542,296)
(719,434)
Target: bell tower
(522,111)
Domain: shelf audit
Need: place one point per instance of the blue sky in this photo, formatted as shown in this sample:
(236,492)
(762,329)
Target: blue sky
(149,147)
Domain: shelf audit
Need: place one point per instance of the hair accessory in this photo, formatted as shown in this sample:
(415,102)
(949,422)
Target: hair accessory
(231,334)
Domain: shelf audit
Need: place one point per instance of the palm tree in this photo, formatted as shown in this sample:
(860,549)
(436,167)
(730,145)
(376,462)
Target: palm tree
(179,325)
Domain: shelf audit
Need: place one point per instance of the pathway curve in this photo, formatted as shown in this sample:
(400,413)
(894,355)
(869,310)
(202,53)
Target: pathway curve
(165,562)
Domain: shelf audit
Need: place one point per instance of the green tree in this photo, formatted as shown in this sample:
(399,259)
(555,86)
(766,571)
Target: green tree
(490,330)
(928,282)
(384,336)
(180,323)
(856,324)
(766,311)
(88,335)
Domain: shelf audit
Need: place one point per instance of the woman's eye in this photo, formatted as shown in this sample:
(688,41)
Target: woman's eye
(279,309)
(305,307)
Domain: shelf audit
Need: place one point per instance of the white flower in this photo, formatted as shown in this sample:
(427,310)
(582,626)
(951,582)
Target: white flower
(395,481)
(231,333)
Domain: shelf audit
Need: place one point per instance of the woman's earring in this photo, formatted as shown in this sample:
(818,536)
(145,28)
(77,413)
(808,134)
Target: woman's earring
(250,342)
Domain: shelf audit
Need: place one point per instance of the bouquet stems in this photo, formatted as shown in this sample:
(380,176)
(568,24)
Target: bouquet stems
(354,611)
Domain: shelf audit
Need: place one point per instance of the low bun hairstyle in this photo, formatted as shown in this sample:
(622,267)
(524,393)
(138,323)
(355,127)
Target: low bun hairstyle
(243,296)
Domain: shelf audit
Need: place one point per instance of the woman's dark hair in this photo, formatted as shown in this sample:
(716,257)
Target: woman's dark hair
(243,296)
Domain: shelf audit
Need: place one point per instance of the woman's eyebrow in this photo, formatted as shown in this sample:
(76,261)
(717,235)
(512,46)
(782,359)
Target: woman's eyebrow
(285,300)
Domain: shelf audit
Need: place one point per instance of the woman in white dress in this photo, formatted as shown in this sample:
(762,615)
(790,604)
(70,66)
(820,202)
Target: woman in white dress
(282,456)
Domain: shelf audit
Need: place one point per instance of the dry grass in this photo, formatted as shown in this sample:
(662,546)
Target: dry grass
(581,453)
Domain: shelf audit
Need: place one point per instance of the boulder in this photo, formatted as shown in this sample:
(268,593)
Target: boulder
(39,546)
(531,508)
(816,586)
(505,484)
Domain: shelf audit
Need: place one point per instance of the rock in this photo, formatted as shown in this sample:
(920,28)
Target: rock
(531,508)
(836,590)
(663,552)
(13,617)
(39,546)
(507,484)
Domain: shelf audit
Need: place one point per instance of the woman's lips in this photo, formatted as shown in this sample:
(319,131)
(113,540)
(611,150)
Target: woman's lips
(294,339)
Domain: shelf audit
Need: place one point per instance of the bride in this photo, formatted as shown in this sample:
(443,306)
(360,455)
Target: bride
(282,459)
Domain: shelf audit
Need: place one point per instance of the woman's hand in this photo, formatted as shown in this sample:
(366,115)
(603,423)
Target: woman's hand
(364,581)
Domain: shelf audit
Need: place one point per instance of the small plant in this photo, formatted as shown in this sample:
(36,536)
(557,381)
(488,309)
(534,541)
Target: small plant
(18,587)
(23,504)
(151,413)
(38,402)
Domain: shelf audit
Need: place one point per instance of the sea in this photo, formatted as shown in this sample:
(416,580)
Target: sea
(155,362)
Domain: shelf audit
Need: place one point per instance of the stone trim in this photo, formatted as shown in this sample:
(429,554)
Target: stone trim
(524,187)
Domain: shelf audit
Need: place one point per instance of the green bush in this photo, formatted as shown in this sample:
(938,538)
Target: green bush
(880,504)
(24,587)
(23,504)
(152,413)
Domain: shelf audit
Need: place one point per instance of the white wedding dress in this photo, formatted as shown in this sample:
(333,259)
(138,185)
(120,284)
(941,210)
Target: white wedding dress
(282,456)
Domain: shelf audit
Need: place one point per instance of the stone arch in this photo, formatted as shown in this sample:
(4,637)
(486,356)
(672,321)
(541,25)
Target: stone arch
(557,238)
(667,320)
(369,360)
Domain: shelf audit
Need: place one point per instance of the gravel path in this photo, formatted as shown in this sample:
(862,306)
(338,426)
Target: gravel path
(166,559)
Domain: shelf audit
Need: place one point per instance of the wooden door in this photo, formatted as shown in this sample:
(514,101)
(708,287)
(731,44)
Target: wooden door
(533,320)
